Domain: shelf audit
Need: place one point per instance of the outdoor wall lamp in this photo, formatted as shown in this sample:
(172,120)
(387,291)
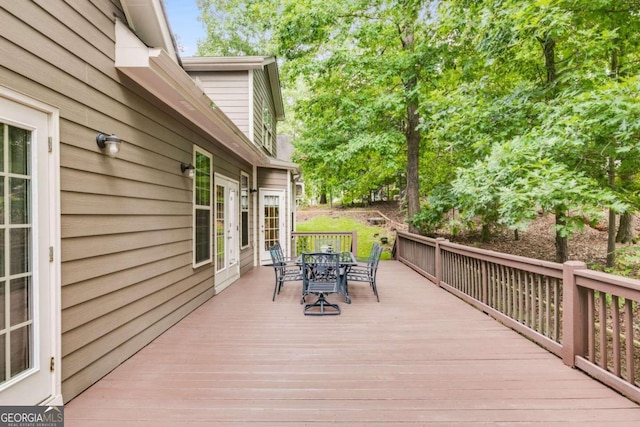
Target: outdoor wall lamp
(189,168)
(109,143)
(253,190)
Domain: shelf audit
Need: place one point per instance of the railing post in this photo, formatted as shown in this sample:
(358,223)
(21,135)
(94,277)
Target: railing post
(438,260)
(574,303)
(354,242)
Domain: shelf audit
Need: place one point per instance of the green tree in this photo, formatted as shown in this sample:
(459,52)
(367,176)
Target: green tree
(238,27)
(529,62)
(364,63)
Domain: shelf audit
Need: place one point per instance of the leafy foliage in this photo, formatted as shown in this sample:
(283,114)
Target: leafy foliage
(238,27)
(517,107)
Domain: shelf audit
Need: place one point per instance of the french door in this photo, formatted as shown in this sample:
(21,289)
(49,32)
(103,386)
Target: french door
(26,235)
(272,222)
(227,232)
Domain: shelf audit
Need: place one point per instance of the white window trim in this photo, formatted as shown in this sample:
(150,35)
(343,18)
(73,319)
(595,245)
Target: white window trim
(267,127)
(243,174)
(55,277)
(196,151)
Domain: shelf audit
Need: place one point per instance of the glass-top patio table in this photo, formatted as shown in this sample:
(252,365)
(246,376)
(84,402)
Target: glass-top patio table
(347,260)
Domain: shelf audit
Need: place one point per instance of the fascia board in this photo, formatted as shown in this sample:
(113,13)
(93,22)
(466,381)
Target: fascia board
(283,164)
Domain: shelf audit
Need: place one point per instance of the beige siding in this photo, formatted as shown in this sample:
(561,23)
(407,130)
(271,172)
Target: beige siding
(262,97)
(126,222)
(230,92)
(272,178)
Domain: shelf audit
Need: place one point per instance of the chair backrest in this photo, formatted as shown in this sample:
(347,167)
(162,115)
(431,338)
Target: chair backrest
(377,249)
(372,252)
(327,245)
(277,255)
(374,257)
(321,270)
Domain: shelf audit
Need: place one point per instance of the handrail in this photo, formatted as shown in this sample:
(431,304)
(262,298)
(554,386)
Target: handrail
(306,241)
(558,306)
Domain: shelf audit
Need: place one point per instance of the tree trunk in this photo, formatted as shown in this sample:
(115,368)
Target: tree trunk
(411,132)
(413,154)
(323,197)
(611,228)
(626,231)
(485,234)
(611,239)
(562,243)
(548,48)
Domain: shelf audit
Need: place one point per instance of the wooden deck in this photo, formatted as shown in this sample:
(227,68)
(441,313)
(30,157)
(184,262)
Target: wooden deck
(419,357)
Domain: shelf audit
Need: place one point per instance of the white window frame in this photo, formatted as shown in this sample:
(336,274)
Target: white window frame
(54,240)
(247,209)
(196,207)
(267,127)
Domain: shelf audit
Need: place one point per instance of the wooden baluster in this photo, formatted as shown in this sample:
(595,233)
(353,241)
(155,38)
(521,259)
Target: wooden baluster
(615,318)
(592,325)
(629,346)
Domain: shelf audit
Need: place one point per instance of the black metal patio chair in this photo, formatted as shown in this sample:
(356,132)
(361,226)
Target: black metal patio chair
(327,244)
(321,276)
(286,269)
(366,272)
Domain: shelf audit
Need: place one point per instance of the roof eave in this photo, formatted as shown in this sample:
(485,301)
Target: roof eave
(148,18)
(283,164)
(155,70)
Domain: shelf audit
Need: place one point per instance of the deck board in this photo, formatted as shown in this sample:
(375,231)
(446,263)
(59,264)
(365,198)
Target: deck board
(419,357)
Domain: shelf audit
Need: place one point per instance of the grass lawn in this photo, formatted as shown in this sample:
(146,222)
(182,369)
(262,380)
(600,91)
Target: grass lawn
(365,232)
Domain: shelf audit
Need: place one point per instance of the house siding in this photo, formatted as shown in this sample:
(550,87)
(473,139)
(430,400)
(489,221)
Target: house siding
(230,92)
(262,96)
(126,224)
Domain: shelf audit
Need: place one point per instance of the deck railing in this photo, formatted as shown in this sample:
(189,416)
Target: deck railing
(346,241)
(585,317)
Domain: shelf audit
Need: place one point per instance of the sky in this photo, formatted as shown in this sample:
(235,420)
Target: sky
(183,18)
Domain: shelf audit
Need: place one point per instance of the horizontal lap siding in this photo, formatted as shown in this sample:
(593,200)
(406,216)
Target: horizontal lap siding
(275,179)
(262,97)
(230,92)
(126,222)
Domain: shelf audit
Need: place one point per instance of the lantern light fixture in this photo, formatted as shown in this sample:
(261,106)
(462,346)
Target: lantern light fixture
(109,143)
(188,168)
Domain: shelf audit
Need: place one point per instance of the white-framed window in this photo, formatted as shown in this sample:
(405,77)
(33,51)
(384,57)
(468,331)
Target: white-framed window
(267,127)
(202,207)
(244,209)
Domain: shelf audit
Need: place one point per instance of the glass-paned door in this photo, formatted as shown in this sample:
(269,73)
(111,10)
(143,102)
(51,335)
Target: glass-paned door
(227,231)
(272,221)
(221,235)
(25,294)
(244,210)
